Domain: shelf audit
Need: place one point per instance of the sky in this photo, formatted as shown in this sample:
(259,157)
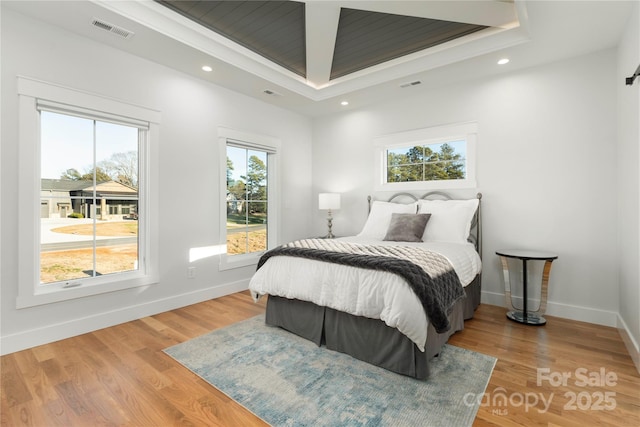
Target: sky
(239,157)
(67,143)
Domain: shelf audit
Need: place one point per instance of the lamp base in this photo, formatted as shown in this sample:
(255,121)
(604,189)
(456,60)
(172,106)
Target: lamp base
(329,225)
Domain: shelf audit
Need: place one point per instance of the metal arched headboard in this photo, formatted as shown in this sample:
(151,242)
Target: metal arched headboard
(475,235)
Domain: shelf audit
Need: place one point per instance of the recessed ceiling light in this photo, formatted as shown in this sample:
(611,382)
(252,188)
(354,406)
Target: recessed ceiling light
(344,103)
(503,61)
(207,68)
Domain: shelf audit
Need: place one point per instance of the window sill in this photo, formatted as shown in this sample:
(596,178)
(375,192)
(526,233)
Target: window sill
(238,261)
(52,293)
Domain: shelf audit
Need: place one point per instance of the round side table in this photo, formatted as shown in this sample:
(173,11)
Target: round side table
(525,316)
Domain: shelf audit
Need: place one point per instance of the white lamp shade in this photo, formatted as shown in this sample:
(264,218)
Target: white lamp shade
(329,200)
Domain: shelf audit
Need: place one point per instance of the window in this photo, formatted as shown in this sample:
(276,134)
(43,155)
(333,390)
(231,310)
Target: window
(247,217)
(87,162)
(248,226)
(84,194)
(440,157)
(427,162)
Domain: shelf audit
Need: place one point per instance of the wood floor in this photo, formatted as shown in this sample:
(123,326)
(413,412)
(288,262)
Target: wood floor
(120,376)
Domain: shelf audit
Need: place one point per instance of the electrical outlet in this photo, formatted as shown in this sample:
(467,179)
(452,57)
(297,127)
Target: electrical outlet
(191,272)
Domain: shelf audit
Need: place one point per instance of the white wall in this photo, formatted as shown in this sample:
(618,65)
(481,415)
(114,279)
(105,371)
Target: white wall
(546,168)
(548,161)
(186,166)
(629,186)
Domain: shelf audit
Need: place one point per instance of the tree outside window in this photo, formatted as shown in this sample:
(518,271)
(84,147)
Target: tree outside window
(247,204)
(432,162)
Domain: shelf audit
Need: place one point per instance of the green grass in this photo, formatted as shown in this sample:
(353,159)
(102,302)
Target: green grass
(241,219)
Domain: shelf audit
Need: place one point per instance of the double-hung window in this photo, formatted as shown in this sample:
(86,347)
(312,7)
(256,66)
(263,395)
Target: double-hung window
(441,157)
(85,194)
(88,177)
(248,214)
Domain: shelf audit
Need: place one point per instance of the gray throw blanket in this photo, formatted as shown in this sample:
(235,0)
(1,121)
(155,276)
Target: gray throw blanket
(429,274)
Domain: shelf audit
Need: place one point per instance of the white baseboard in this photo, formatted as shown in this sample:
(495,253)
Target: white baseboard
(59,331)
(629,342)
(566,311)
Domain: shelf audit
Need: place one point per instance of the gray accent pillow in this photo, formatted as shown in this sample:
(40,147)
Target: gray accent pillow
(407,227)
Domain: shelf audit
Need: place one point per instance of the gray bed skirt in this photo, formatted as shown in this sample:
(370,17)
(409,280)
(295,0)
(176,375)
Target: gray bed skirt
(370,340)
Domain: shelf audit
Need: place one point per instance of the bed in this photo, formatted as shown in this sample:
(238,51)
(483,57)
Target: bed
(375,295)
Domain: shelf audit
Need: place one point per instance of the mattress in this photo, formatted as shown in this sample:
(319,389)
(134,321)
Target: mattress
(361,292)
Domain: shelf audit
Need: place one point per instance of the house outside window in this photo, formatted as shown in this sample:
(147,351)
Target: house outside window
(248,215)
(85,195)
(441,157)
(87,162)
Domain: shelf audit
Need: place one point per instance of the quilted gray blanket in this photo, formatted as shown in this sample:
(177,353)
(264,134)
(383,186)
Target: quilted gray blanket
(429,274)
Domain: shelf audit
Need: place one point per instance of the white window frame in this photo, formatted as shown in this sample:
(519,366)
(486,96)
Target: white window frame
(433,135)
(31,93)
(257,142)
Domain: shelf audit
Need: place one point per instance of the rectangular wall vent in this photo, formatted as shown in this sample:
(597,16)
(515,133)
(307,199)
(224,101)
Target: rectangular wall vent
(409,84)
(114,29)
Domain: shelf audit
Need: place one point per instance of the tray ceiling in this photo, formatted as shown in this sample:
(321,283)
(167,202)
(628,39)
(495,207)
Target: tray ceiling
(528,32)
(313,50)
(276,30)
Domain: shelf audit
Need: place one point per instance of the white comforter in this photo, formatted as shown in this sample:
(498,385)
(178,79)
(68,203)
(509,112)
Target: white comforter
(361,292)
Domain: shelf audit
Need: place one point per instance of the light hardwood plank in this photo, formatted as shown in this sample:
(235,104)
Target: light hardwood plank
(120,376)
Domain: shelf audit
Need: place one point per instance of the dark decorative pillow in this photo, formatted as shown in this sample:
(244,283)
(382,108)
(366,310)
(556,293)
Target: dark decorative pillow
(407,227)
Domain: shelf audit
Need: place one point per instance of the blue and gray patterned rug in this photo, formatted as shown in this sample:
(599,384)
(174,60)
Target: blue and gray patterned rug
(289,381)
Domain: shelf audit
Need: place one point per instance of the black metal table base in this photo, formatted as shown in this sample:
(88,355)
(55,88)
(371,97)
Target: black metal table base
(529,319)
(523,315)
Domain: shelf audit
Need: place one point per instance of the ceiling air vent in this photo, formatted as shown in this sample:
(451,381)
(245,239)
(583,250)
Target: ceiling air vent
(271,93)
(119,31)
(409,84)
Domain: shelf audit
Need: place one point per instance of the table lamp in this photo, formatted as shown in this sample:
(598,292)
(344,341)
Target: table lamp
(329,201)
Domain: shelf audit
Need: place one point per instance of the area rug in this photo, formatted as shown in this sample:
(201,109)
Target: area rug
(289,381)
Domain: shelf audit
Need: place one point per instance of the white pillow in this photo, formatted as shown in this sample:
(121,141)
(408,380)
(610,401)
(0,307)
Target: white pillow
(450,219)
(380,218)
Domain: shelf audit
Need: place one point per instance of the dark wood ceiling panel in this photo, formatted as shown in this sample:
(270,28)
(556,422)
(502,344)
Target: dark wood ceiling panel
(196,9)
(272,29)
(275,29)
(369,38)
